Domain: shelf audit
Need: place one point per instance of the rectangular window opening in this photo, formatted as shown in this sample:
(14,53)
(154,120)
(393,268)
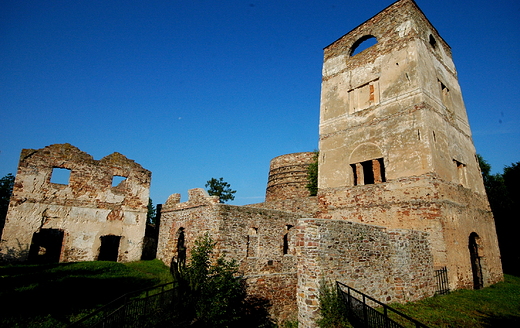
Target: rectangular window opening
(60,175)
(369,172)
(461,172)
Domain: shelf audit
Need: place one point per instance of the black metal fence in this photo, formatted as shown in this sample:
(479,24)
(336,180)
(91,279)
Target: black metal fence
(441,277)
(136,309)
(365,311)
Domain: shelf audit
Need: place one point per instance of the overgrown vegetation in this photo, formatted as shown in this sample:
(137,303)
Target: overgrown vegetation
(312,175)
(6,188)
(494,306)
(332,309)
(212,293)
(53,295)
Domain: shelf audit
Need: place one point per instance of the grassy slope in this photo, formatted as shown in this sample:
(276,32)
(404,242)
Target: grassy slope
(495,306)
(51,295)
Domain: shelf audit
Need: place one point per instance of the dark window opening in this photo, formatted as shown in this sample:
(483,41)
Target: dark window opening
(369,172)
(60,175)
(362,44)
(46,246)
(476,267)
(445,95)
(433,42)
(252,242)
(109,249)
(181,247)
(286,239)
(117,180)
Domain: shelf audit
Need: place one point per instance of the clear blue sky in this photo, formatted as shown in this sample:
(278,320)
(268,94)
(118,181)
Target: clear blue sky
(197,89)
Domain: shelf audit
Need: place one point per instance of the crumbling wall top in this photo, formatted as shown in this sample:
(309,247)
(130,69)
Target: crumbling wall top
(388,27)
(196,197)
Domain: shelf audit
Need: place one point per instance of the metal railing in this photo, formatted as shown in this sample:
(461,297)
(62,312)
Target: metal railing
(365,311)
(441,278)
(130,310)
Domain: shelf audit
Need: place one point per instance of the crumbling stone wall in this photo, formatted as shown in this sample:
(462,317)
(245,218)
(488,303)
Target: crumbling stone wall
(83,209)
(389,265)
(260,240)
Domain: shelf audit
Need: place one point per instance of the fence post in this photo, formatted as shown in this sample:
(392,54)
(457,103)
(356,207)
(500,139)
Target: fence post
(365,313)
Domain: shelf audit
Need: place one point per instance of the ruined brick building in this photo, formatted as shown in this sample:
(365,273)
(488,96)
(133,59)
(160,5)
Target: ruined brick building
(400,192)
(97,211)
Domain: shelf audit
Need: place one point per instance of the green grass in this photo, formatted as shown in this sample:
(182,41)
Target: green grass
(52,295)
(495,306)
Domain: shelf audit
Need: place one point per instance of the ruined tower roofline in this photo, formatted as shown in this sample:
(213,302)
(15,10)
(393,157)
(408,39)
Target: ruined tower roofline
(383,12)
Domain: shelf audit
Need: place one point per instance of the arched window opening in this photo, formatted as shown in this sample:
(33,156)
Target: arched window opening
(475,256)
(286,239)
(362,44)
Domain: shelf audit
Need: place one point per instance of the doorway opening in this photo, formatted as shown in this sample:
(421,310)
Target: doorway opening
(109,249)
(476,267)
(46,246)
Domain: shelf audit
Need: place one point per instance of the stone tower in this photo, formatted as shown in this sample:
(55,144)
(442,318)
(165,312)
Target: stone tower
(395,143)
(288,176)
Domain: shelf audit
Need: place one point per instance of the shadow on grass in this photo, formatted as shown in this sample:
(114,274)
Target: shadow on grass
(502,321)
(61,290)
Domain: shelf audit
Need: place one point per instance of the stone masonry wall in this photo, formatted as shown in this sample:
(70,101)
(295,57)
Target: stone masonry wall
(260,240)
(389,265)
(448,212)
(84,209)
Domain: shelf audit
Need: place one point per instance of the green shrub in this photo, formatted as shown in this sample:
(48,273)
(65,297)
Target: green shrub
(208,294)
(332,308)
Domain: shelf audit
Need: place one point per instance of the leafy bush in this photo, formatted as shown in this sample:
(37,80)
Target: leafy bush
(312,175)
(331,307)
(208,294)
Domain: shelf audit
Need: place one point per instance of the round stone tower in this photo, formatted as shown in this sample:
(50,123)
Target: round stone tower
(288,176)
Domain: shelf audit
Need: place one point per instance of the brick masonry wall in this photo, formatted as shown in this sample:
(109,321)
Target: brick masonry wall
(85,208)
(389,265)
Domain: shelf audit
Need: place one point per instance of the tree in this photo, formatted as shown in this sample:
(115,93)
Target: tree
(503,194)
(209,293)
(312,175)
(6,189)
(152,213)
(496,189)
(221,189)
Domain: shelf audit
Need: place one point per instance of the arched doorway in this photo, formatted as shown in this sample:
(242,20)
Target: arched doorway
(476,268)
